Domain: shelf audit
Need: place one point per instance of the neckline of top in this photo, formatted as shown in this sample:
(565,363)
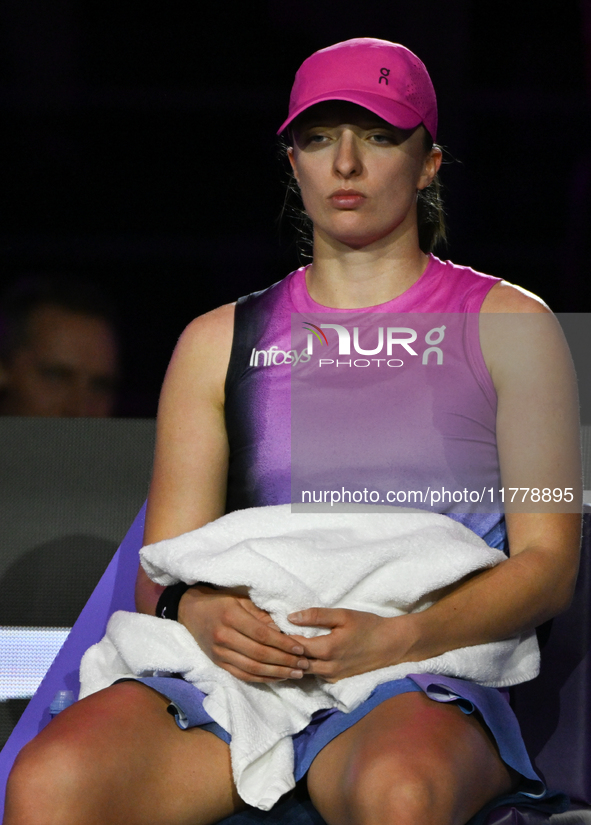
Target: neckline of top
(304,302)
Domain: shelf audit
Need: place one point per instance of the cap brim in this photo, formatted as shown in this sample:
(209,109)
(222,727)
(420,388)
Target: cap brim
(393,112)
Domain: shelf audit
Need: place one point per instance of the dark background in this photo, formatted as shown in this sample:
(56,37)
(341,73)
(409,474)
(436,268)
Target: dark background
(139,146)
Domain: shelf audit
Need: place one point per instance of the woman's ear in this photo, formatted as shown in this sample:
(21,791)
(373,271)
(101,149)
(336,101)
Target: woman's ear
(431,167)
(290,155)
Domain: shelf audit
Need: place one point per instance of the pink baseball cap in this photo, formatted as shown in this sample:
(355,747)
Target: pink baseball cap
(386,78)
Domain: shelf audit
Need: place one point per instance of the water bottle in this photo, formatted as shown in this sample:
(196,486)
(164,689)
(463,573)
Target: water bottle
(62,700)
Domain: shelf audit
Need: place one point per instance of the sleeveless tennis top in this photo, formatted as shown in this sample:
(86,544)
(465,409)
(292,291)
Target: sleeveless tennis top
(395,399)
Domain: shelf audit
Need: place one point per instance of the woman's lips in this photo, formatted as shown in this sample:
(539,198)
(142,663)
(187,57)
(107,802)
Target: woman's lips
(346,199)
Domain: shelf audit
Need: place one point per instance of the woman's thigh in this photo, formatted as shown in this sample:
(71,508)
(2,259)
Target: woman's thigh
(410,761)
(118,758)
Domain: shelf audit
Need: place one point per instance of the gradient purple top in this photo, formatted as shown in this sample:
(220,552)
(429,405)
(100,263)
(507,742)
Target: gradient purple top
(437,423)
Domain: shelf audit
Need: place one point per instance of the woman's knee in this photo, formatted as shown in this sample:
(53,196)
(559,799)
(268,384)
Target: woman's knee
(381,791)
(70,769)
(386,791)
(49,782)
(119,758)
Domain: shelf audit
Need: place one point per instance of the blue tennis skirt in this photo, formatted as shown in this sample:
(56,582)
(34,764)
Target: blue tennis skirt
(186,704)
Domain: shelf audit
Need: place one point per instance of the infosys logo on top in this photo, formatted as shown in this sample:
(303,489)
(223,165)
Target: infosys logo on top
(388,338)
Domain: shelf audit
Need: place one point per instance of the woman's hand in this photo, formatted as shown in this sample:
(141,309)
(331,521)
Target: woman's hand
(240,637)
(357,643)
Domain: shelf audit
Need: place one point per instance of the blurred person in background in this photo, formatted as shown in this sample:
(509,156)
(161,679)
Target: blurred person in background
(59,352)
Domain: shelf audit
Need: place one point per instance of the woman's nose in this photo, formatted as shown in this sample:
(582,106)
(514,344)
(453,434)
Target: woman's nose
(347,161)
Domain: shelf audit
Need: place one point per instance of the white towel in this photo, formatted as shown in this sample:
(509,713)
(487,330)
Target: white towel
(385,563)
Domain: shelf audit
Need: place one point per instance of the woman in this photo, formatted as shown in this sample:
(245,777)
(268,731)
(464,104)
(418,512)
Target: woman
(362,124)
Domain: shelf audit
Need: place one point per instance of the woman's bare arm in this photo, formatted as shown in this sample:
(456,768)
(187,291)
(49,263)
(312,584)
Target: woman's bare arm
(188,490)
(188,485)
(538,441)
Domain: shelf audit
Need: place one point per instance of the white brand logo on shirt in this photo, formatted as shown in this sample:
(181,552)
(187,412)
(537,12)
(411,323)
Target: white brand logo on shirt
(274,357)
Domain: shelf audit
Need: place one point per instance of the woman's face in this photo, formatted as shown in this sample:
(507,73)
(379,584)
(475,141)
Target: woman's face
(357,174)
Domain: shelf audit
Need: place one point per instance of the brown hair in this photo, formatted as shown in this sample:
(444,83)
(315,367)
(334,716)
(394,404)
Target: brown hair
(430,212)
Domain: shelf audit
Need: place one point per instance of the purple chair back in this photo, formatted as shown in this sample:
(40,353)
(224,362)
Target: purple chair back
(555,709)
(115,591)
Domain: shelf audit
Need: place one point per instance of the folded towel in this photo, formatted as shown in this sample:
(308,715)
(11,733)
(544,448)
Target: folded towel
(386,563)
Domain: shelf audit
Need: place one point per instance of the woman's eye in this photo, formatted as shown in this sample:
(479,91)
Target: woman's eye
(381,138)
(314,140)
